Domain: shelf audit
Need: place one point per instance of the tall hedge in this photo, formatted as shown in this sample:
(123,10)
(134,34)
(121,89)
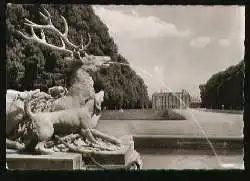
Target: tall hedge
(224,89)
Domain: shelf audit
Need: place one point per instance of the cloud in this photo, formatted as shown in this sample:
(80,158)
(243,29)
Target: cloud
(135,26)
(153,79)
(159,71)
(224,42)
(200,42)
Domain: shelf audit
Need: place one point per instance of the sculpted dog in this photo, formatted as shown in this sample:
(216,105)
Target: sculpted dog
(46,121)
(77,120)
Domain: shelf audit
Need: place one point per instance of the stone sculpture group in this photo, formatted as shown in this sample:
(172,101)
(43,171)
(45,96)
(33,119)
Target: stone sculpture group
(63,119)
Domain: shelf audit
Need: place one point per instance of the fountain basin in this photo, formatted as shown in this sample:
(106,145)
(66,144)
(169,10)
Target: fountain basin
(188,142)
(189,152)
(154,151)
(160,158)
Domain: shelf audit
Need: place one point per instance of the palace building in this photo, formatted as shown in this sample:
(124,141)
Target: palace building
(195,102)
(171,100)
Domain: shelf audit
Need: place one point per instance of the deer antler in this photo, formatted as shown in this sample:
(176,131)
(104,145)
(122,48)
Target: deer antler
(63,36)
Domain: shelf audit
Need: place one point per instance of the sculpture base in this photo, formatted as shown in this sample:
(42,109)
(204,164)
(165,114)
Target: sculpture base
(72,161)
(132,157)
(116,160)
(57,161)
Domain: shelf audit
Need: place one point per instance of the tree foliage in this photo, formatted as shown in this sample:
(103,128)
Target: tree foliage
(224,88)
(31,66)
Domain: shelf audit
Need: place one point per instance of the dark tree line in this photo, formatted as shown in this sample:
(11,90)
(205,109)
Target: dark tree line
(224,89)
(31,66)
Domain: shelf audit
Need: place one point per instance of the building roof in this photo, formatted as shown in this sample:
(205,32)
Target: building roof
(168,93)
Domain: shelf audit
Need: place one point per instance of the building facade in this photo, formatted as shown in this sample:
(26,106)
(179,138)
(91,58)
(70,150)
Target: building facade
(195,102)
(171,100)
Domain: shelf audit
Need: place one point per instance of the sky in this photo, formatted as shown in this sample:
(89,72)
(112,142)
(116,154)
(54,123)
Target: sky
(176,47)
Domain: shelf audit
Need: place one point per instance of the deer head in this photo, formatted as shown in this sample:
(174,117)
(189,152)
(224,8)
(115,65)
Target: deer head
(76,52)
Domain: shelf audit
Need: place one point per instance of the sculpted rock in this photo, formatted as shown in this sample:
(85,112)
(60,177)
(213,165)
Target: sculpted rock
(14,114)
(15,108)
(13,94)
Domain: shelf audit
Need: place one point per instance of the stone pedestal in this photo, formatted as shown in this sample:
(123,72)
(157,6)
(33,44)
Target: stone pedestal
(57,161)
(69,161)
(118,159)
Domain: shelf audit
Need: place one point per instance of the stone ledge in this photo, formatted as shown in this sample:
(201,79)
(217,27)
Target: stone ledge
(223,111)
(58,161)
(192,142)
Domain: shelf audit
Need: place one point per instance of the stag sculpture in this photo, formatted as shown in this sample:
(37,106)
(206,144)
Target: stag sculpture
(81,84)
(81,105)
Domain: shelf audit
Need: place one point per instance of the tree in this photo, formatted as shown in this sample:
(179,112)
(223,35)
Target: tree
(31,66)
(224,88)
